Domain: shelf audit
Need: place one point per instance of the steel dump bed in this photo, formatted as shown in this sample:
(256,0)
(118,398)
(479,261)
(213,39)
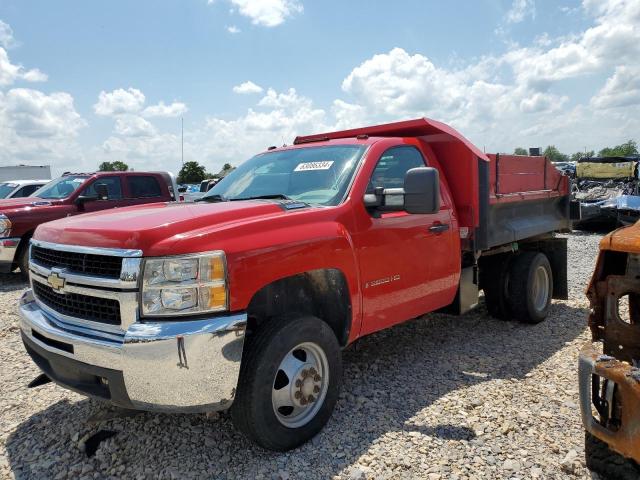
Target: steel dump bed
(498,198)
(528,196)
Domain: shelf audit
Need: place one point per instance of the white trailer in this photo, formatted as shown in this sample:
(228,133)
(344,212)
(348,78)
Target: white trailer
(25,172)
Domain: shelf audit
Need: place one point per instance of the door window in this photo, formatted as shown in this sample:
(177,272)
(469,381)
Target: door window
(113,187)
(26,191)
(143,187)
(392,167)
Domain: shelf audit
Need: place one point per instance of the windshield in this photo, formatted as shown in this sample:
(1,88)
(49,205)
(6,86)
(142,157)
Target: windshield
(60,188)
(315,175)
(6,189)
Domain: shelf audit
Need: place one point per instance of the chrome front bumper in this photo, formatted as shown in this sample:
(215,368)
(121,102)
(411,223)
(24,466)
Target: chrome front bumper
(190,365)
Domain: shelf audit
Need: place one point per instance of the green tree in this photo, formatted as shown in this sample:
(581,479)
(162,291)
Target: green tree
(116,166)
(625,150)
(227,166)
(192,172)
(520,151)
(580,155)
(553,154)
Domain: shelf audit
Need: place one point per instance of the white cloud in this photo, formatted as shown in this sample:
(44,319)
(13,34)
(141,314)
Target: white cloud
(521,97)
(119,101)
(613,40)
(36,128)
(247,87)
(621,90)
(134,126)
(521,9)
(268,13)
(542,102)
(174,109)
(34,114)
(6,35)
(233,29)
(10,73)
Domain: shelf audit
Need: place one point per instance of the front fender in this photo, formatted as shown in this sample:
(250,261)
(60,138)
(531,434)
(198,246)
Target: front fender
(267,258)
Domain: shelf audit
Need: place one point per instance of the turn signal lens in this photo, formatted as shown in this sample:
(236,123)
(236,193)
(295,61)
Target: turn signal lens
(216,268)
(215,297)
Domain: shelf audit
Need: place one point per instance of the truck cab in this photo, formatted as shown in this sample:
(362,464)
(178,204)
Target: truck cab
(245,299)
(70,195)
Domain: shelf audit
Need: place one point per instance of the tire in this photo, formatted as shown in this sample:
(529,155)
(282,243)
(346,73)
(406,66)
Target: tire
(529,273)
(255,411)
(23,259)
(495,286)
(606,463)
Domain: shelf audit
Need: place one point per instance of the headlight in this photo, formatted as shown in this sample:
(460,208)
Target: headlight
(184,285)
(5,226)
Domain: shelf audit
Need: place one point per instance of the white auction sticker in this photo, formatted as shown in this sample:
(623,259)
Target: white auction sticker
(305,167)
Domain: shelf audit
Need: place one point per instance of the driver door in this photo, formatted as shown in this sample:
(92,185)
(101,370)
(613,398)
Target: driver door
(114,188)
(406,266)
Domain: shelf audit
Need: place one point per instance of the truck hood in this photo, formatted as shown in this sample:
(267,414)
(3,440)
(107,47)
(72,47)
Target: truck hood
(154,228)
(19,203)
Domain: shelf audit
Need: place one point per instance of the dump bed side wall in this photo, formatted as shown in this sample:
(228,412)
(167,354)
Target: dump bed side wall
(528,197)
(513,175)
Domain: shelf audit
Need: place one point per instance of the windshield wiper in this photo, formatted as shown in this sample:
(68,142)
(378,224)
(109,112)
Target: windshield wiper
(274,196)
(212,199)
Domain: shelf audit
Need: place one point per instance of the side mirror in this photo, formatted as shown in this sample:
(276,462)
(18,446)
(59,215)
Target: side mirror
(421,194)
(422,190)
(102,191)
(82,199)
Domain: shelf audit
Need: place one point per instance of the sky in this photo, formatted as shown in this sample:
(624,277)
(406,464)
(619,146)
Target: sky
(87,82)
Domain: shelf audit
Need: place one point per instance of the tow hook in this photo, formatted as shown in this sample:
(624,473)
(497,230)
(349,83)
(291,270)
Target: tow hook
(41,379)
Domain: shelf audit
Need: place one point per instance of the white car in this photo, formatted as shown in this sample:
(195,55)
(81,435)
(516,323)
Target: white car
(20,188)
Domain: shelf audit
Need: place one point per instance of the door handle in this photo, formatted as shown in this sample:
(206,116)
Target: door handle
(439,228)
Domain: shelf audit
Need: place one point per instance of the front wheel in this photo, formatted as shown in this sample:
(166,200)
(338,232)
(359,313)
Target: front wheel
(23,259)
(289,382)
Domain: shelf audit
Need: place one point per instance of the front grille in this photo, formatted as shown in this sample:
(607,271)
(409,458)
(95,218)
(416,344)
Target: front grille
(95,309)
(101,265)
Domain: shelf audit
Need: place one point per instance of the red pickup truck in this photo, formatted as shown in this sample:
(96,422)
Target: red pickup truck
(72,194)
(245,299)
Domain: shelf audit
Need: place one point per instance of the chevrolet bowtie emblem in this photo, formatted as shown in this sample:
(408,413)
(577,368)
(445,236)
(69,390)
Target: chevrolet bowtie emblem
(55,281)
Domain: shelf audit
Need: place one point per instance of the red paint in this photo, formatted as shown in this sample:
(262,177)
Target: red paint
(395,267)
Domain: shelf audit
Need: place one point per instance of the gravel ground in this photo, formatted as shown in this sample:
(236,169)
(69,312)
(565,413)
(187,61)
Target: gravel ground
(439,397)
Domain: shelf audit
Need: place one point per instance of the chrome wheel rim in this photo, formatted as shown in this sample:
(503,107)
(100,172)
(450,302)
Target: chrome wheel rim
(300,385)
(540,288)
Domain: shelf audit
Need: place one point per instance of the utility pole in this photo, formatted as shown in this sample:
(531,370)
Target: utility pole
(182,139)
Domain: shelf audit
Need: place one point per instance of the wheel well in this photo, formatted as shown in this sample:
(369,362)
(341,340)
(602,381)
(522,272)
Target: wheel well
(555,249)
(321,293)
(24,243)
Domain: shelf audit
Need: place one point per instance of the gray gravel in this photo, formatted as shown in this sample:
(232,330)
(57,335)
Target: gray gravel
(439,398)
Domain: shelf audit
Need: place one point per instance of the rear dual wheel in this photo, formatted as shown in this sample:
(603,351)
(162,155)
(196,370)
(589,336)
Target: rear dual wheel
(520,288)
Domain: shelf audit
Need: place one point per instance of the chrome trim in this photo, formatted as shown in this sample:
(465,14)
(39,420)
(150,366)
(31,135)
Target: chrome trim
(80,278)
(189,365)
(8,254)
(113,252)
(128,302)
(130,272)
